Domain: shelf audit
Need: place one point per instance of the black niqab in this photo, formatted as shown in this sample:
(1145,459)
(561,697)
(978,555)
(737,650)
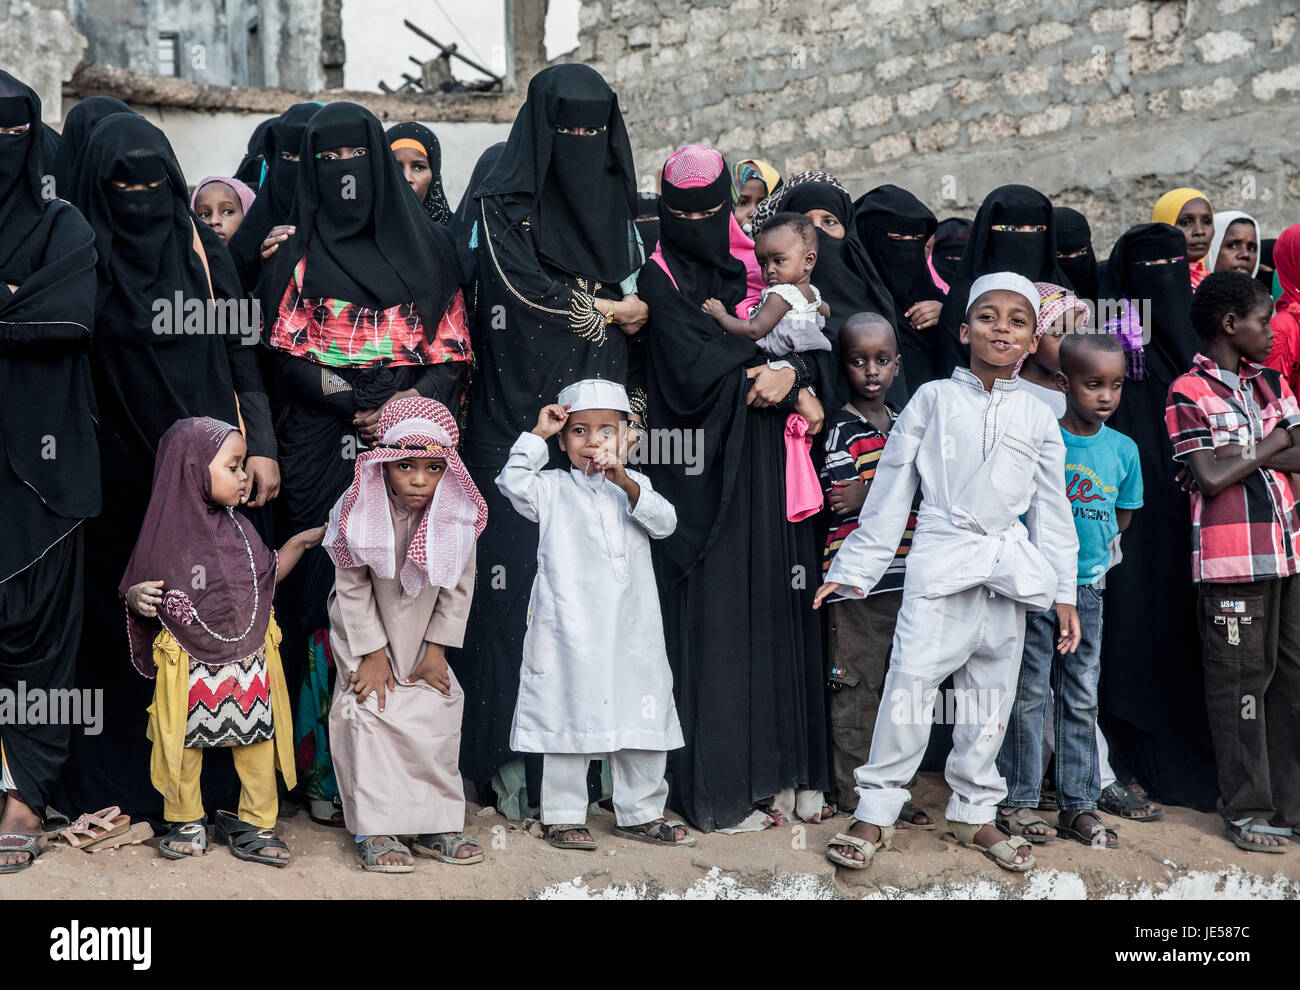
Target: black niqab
(365,238)
(950,239)
(889,210)
(1031,254)
(144,237)
(580,191)
(249,170)
(698,252)
(77,125)
(274,199)
(1266,269)
(1073,235)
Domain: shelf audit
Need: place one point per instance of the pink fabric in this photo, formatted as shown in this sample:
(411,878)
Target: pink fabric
(803,493)
(939,283)
(690,167)
(245,194)
(361,529)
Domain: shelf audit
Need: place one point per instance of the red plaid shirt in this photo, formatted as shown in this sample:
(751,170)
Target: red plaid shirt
(1250,531)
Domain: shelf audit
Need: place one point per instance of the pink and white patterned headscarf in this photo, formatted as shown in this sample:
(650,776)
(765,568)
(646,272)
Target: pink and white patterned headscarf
(361,528)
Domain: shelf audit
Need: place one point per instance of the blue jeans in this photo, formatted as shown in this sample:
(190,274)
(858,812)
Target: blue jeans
(1073,679)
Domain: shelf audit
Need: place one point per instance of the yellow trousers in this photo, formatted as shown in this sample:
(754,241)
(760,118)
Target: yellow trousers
(259,803)
(175,770)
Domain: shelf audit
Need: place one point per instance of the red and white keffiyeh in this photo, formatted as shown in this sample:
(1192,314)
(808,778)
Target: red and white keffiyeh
(361,528)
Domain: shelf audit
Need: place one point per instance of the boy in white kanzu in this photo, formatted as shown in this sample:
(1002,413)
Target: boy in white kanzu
(595,680)
(984,453)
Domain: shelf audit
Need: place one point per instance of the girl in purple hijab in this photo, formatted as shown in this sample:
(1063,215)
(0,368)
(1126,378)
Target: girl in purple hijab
(200,571)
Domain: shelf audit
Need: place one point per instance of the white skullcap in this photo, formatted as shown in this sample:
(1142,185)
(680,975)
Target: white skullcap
(594,393)
(1005,280)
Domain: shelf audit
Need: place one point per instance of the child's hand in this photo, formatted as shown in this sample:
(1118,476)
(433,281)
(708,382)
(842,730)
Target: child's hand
(144,598)
(810,408)
(607,462)
(311,537)
(847,497)
(551,420)
(1071,631)
(714,308)
(826,590)
(433,669)
(373,675)
(924,314)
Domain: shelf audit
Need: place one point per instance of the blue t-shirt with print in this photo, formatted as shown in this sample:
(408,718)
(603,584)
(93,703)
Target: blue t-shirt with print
(1102,475)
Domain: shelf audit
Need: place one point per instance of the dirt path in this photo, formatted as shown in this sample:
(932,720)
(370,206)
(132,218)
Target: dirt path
(1185,854)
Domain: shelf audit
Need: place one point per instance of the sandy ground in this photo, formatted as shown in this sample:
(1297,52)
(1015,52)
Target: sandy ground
(1186,854)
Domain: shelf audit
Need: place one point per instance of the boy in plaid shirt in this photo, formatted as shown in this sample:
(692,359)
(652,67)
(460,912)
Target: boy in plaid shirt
(1231,421)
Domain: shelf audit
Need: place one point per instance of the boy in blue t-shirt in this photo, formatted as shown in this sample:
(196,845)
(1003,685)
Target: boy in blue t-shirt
(1103,481)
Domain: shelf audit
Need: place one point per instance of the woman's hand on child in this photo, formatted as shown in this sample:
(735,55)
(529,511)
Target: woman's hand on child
(847,497)
(924,314)
(144,598)
(265,475)
(771,385)
(551,420)
(828,589)
(713,307)
(1071,631)
(278,235)
(433,669)
(810,408)
(374,676)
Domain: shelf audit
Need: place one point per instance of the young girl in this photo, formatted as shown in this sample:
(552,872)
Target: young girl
(595,678)
(790,314)
(222,204)
(402,539)
(1059,313)
(207,578)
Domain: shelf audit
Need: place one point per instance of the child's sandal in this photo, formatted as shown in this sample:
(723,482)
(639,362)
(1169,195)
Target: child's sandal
(369,851)
(246,840)
(443,846)
(662,832)
(864,846)
(555,836)
(1003,853)
(193,834)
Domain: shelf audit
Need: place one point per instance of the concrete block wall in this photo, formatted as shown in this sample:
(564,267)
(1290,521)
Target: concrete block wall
(1101,104)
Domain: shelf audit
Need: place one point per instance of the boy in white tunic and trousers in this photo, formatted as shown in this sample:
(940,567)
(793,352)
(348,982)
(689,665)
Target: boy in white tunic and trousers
(985,453)
(595,680)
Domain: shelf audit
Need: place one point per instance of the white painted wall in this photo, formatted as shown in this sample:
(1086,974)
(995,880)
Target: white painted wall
(213,143)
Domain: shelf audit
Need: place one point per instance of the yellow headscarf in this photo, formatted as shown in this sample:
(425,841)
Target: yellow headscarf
(1171,204)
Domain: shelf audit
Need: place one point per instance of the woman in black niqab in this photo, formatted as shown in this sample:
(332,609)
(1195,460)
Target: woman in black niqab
(1152,697)
(148,372)
(556,256)
(894,226)
(1074,252)
(249,170)
(996,245)
(950,239)
(49,460)
(281,145)
(77,125)
(845,275)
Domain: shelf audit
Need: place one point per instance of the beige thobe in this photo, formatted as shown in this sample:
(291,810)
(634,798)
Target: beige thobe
(398,770)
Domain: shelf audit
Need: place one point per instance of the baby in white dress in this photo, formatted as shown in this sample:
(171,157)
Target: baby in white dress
(790,313)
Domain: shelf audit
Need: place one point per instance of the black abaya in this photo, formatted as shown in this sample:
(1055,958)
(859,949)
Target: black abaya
(1152,695)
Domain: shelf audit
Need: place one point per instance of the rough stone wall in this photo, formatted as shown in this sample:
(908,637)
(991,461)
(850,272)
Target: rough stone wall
(1101,104)
(40,44)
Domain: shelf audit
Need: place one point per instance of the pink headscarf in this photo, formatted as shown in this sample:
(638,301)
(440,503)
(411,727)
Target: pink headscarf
(696,165)
(361,529)
(245,194)
(1055,300)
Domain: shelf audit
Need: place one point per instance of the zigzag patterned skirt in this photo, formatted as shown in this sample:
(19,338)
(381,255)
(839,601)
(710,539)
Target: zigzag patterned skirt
(229,705)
